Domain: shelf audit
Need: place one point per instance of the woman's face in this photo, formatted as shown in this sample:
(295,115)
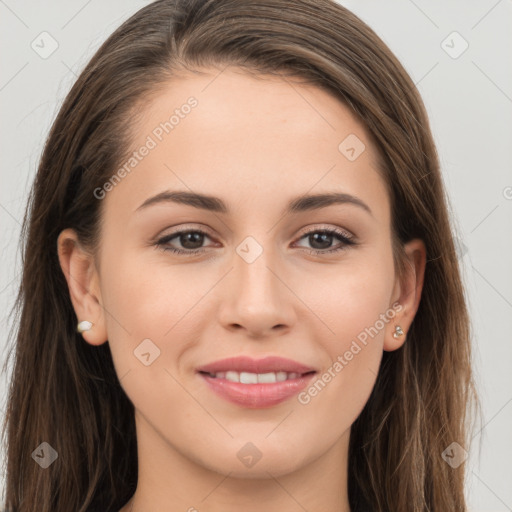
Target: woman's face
(257,289)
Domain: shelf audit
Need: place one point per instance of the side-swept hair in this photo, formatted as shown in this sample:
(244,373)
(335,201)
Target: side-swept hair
(66,392)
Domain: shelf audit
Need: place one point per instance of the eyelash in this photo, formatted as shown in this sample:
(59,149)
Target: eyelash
(347,241)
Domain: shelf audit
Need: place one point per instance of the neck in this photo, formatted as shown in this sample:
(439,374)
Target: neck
(168,477)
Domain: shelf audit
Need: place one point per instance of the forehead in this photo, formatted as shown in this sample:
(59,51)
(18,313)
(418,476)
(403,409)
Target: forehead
(243,136)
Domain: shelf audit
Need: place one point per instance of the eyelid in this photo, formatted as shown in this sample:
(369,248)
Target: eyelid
(338,229)
(185,227)
(346,239)
(314,228)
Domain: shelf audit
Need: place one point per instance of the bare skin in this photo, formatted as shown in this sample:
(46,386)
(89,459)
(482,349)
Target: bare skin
(256,144)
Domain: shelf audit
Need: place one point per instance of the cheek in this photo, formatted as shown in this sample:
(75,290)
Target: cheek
(152,321)
(152,312)
(353,299)
(356,312)
(148,300)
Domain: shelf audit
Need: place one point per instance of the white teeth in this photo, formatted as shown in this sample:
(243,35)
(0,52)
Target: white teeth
(233,376)
(281,376)
(255,378)
(248,378)
(267,378)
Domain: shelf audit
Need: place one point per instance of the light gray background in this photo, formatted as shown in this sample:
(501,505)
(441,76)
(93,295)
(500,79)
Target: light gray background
(469,100)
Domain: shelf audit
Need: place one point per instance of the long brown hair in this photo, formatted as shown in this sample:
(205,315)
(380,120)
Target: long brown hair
(66,392)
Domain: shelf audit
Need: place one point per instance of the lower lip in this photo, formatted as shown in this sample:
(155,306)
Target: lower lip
(256,396)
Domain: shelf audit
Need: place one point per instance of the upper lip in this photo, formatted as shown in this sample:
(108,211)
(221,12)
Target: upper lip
(250,365)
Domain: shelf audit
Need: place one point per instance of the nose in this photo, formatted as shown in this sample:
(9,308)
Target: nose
(257,298)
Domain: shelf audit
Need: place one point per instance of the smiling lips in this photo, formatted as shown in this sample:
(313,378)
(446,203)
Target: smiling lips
(256,383)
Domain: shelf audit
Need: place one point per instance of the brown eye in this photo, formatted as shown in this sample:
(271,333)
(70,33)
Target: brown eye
(190,240)
(321,240)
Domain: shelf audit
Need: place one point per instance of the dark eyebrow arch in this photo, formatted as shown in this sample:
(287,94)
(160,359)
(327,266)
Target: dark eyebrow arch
(215,204)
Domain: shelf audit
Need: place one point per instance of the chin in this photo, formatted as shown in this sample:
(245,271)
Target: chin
(249,462)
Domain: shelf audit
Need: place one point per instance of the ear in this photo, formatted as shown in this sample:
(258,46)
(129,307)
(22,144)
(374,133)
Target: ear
(407,293)
(83,282)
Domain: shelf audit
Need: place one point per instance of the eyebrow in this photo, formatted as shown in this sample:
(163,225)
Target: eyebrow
(215,204)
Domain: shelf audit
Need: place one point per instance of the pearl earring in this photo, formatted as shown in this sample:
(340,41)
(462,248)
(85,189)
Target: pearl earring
(84,325)
(398,332)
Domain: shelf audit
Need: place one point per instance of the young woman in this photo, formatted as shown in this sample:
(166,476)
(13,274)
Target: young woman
(240,287)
